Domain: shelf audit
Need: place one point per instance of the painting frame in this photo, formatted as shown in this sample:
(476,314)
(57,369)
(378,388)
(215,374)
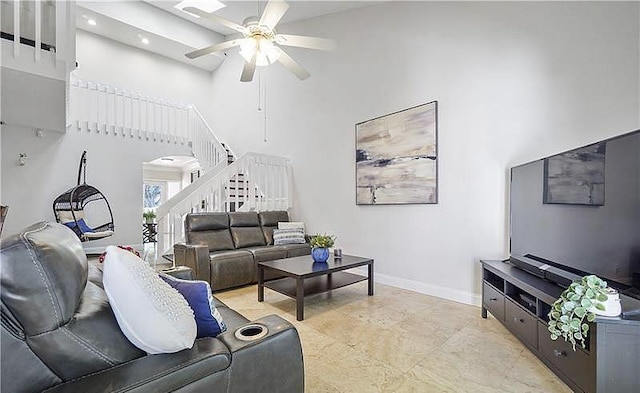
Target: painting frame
(576,177)
(397,157)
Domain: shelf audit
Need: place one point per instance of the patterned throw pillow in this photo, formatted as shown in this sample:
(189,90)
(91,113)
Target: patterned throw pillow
(288,236)
(198,295)
(152,315)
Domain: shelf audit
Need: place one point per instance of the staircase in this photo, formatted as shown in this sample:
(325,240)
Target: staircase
(38,38)
(252,182)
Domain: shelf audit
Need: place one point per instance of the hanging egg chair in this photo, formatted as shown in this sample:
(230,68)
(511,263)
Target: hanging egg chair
(69,208)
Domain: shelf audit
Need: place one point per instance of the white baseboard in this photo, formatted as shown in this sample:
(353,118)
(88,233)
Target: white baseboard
(456,295)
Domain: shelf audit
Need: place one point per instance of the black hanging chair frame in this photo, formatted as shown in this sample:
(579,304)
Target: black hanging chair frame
(75,199)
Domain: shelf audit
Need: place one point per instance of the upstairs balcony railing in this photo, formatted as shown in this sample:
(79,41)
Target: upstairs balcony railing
(38,37)
(104,109)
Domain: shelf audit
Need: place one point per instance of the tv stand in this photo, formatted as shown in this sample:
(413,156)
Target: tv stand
(521,301)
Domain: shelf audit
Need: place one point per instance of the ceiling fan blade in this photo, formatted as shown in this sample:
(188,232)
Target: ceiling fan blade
(215,18)
(248,70)
(213,48)
(302,41)
(273,12)
(292,65)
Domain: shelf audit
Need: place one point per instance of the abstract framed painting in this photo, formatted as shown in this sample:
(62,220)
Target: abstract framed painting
(576,177)
(396,157)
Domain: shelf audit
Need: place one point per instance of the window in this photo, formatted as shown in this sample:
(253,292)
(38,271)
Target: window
(152,196)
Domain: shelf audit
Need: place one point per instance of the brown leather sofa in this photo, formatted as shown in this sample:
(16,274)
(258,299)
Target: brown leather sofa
(59,333)
(225,248)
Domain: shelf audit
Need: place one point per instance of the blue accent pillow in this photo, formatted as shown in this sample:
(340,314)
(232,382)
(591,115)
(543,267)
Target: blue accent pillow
(84,228)
(198,295)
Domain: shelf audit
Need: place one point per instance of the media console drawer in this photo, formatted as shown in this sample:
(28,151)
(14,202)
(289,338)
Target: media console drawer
(523,324)
(493,301)
(577,365)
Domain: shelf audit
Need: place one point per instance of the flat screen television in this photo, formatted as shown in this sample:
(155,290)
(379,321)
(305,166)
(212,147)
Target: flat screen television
(579,212)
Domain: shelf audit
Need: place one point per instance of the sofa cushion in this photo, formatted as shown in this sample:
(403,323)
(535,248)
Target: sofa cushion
(155,317)
(246,230)
(269,220)
(210,229)
(206,221)
(267,253)
(288,236)
(297,250)
(198,295)
(243,219)
(231,269)
(216,240)
(61,324)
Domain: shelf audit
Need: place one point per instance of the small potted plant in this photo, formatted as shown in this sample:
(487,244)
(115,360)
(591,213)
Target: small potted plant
(149,216)
(581,301)
(320,247)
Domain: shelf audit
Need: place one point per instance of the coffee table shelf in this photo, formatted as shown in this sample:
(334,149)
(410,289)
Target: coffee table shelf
(304,278)
(315,285)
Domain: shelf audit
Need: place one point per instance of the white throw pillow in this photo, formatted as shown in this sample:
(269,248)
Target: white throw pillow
(67,216)
(152,315)
(291,225)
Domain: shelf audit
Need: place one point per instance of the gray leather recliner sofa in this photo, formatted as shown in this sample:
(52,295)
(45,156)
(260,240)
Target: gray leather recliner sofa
(225,248)
(59,334)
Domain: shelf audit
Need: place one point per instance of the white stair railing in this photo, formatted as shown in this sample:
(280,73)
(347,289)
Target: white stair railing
(108,110)
(43,37)
(255,182)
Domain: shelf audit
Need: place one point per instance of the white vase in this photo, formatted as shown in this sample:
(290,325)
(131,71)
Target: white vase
(612,307)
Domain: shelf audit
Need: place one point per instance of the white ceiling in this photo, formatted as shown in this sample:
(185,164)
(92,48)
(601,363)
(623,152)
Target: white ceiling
(172,33)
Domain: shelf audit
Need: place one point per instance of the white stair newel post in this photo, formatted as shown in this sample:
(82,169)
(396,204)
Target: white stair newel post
(162,233)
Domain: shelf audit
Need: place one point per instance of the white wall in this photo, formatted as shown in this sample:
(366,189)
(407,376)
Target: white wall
(514,81)
(114,165)
(106,61)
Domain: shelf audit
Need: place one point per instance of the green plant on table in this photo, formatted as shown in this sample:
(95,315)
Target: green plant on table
(149,215)
(322,241)
(568,313)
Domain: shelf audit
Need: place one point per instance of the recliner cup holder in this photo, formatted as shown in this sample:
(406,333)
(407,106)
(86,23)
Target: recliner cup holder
(251,332)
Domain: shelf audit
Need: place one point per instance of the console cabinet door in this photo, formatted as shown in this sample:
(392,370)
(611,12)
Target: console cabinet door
(521,323)
(493,301)
(576,365)
(618,358)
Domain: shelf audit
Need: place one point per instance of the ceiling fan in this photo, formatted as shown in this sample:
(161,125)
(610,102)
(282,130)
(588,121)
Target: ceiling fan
(261,43)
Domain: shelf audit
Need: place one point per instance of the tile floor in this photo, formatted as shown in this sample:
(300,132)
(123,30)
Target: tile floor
(401,341)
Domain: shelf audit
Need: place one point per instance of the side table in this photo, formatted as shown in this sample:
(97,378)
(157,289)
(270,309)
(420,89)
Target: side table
(149,232)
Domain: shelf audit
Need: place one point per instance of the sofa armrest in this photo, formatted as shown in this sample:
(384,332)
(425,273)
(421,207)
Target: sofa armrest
(280,349)
(194,256)
(158,373)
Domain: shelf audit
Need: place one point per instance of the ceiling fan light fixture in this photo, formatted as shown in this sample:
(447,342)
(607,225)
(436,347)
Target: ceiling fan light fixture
(268,51)
(261,45)
(248,48)
(262,48)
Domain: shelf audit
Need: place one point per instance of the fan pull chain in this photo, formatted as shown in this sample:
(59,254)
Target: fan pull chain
(259,90)
(264,113)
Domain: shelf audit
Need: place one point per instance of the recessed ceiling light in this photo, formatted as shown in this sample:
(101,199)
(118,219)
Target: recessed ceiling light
(144,40)
(204,5)
(91,22)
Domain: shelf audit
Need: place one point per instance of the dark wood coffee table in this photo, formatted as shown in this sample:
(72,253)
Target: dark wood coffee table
(306,278)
